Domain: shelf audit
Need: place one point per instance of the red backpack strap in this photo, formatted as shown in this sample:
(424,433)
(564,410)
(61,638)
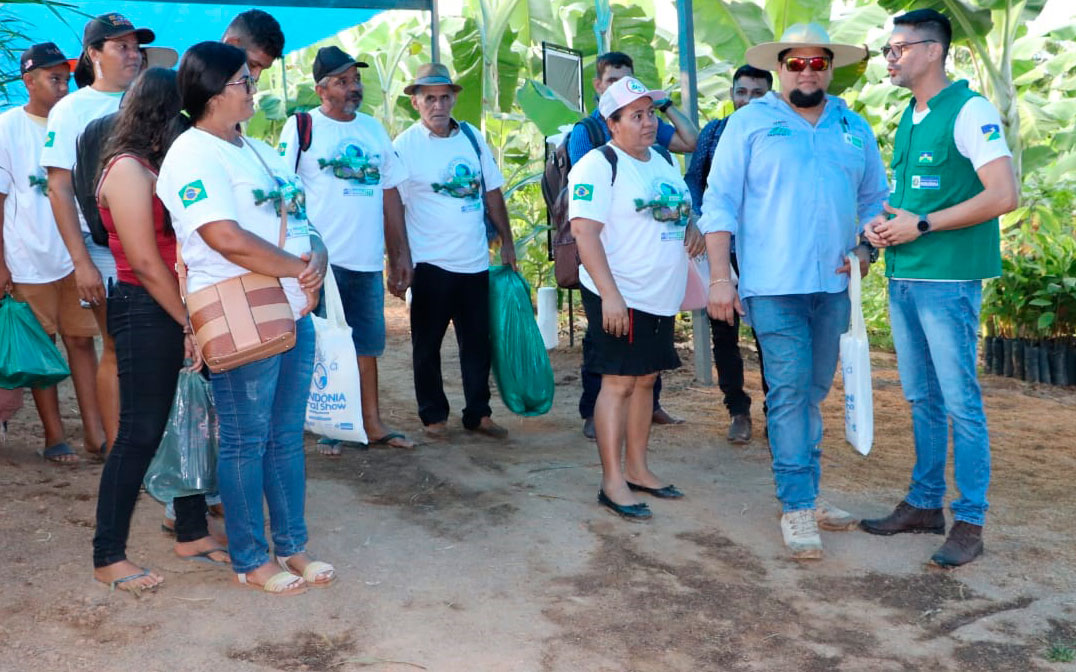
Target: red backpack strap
(304,126)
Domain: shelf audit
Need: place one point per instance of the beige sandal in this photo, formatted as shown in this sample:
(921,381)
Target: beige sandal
(315,570)
(282,583)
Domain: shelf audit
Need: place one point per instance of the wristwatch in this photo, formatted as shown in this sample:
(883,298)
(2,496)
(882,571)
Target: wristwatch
(872,251)
(664,105)
(923,225)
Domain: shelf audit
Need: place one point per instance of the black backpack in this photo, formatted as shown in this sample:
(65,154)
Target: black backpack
(84,176)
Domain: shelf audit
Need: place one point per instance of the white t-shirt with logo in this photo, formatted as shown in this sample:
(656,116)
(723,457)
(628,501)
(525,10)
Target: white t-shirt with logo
(644,217)
(344,173)
(977,131)
(33,249)
(67,120)
(442,197)
(206,179)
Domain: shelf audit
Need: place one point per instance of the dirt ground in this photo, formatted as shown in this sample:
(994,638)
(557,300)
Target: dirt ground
(472,555)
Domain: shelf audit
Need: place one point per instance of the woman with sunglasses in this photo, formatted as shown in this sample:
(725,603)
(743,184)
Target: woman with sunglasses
(148,324)
(226,193)
(630,211)
(110,61)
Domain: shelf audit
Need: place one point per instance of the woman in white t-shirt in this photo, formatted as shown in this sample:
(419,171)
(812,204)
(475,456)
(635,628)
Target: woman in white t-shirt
(110,61)
(225,193)
(630,209)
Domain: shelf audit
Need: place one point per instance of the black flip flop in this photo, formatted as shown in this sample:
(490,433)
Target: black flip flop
(384,440)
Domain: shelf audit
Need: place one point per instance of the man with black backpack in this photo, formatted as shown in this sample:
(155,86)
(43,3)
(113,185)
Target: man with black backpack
(747,84)
(351,173)
(678,136)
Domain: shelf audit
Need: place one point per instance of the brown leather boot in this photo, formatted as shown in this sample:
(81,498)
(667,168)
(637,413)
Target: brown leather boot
(907,518)
(964,544)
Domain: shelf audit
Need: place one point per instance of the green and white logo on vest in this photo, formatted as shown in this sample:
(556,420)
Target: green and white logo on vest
(780,128)
(926,182)
(926,157)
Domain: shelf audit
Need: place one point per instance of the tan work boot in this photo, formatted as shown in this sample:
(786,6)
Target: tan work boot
(800,532)
(832,519)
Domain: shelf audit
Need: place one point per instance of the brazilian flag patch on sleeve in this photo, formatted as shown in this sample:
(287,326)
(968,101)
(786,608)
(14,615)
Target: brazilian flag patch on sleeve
(192,193)
(50,139)
(583,192)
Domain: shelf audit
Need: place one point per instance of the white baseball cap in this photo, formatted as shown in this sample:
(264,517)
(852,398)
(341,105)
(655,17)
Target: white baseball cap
(626,91)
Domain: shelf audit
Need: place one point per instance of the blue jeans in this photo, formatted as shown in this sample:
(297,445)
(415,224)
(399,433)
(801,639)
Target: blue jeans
(261,408)
(800,335)
(935,331)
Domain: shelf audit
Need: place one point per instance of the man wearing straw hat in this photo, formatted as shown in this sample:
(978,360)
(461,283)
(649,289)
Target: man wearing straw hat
(452,184)
(794,177)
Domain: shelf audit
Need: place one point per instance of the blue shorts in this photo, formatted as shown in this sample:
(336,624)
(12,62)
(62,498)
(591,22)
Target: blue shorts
(363,296)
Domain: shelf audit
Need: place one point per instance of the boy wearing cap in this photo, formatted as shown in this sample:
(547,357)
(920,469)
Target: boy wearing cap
(452,182)
(34,264)
(351,173)
(794,178)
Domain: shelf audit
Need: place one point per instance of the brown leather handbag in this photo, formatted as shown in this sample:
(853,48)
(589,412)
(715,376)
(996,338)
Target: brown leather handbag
(243,319)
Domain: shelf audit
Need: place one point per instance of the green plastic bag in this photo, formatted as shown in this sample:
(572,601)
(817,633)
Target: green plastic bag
(28,357)
(186,461)
(520,363)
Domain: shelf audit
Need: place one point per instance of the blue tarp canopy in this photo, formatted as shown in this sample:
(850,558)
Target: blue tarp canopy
(180,25)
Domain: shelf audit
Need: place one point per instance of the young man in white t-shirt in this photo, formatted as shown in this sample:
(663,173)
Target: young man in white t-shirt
(452,184)
(350,173)
(34,264)
(952,178)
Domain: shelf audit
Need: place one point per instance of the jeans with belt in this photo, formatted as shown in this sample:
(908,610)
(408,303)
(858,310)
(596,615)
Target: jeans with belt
(935,332)
(800,336)
(149,354)
(261,408)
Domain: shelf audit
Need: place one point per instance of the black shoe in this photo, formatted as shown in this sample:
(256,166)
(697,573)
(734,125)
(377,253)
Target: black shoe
(668,492)
(907,518)
(588,428)
(628,511)
(740,429)
(965,543)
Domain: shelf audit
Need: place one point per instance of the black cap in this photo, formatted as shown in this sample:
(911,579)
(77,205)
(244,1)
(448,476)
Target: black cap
(113,25)
(44,55)
(332,61)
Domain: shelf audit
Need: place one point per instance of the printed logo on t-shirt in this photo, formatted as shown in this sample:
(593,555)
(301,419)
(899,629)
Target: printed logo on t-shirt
(40,183)
(354,162)
(991,132)
(50,138)
(283,148)
(583,192)
(192,193)
(926,182)
(287,193)
(667,203)
(461,180)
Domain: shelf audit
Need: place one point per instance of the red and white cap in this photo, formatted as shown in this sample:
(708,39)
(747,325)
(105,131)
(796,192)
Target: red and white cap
(626,91)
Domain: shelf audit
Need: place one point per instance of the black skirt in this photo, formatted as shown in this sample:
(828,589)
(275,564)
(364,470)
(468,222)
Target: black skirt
(646,349)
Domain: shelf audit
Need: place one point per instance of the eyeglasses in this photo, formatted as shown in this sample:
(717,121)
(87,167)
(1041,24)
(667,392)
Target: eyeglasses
(897,48)
(248,82)
(799,63)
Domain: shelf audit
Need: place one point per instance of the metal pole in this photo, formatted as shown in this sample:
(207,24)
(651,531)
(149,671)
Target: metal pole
(435,33)
(689,88)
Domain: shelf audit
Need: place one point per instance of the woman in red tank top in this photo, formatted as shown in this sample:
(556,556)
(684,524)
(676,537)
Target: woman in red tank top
(148,321)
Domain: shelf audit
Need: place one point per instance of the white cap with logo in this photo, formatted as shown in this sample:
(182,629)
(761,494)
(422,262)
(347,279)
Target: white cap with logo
(626,91)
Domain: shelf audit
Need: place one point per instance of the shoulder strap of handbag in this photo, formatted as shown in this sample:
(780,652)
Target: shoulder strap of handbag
(181,268)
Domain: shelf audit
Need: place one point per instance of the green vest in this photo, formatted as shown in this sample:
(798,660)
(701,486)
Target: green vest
(929,174)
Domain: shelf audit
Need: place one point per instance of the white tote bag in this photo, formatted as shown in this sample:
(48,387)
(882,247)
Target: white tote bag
(334,408)
(856,370)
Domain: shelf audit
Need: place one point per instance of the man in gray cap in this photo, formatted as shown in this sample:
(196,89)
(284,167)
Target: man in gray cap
(351,174)
(453,184)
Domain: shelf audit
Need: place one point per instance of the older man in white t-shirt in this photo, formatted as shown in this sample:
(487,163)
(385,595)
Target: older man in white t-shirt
(351,173)
(453,185)
(34,263)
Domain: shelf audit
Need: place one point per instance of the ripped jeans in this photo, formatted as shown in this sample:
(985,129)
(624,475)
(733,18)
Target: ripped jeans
(261,407)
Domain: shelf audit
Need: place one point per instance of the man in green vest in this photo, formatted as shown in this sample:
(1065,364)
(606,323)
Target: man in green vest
(952,179)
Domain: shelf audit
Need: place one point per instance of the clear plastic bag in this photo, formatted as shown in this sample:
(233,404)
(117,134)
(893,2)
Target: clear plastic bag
(520,362)
(186,461)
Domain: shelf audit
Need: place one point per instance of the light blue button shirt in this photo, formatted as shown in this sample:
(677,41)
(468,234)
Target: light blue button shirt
(795,196)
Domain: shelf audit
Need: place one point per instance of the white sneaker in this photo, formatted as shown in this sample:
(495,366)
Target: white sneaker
(800,532)
(832,519)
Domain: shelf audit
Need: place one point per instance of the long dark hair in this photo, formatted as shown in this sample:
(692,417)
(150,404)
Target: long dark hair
(204,72)
(84,73)
(147,122)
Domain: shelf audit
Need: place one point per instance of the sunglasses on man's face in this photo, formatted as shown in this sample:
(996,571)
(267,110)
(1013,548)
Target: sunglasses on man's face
(800,63)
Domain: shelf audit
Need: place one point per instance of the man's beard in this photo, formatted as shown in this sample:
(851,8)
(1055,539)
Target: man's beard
(801,99)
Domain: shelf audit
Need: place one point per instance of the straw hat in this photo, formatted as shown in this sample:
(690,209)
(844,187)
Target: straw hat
(431,74)
(798,36)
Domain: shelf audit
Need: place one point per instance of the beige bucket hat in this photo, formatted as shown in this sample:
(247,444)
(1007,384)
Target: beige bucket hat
(431,74)
(797,36)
